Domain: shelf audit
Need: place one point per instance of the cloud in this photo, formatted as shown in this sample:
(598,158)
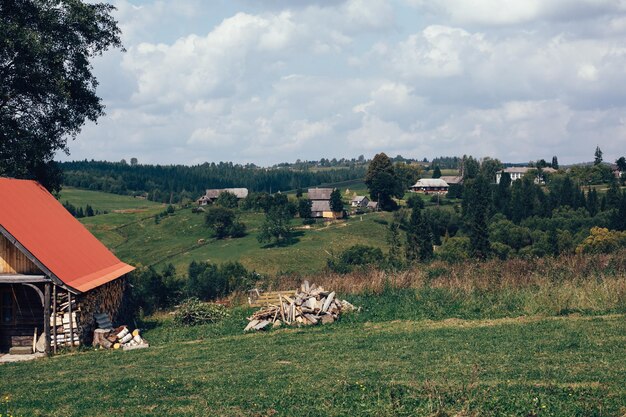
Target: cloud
(515,12)
(266,82)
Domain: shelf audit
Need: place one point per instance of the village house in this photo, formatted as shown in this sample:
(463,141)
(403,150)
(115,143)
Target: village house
(452,179)
(430,186)
(212,194)
(54,274)
(359,201)
(320,203)
(517,173)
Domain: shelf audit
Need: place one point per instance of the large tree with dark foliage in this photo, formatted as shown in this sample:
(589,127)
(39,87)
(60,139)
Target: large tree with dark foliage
(383,182)
(476,208)
(47,88)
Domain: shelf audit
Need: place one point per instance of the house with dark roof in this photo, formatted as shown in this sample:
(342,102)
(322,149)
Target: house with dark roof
(212,194)
(359,201)
(430,186)
(54,274)
(320,203)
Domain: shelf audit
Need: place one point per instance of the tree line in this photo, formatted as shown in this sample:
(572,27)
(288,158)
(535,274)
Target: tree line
(175,183)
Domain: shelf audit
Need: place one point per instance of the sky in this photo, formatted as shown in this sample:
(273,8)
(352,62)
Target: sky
(268,81)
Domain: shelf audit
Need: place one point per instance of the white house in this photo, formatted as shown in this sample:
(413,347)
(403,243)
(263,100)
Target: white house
(517,173)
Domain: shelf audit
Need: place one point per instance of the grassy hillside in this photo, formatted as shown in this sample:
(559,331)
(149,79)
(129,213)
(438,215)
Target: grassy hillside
(561,366)
(183,237)
(130,231)
(105,201)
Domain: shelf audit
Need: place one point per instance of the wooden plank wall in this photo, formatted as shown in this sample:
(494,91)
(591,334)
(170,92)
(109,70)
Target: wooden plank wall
(12,261)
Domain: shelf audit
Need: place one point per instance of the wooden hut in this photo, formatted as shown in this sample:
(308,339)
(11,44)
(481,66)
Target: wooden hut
(54,274)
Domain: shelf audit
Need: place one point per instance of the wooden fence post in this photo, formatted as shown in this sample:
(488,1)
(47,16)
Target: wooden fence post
(46,317)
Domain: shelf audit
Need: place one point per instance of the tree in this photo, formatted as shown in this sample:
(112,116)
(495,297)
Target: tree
(223,222)
(227,199)
(555,162)
(621,164)
(408,174)
(383,183)
(489,167)
(395,245)
(476,208)
(597,156)
(48,90)
(419,241)
(469,167)
(276,228)
(133,162)
(304,208)
(336,204)
(437,172)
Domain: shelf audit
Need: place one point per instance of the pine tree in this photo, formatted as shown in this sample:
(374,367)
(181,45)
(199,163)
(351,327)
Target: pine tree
(592,202)
(437,172)
(597,156)
(395,246)
(555,162)
(336,203)
(419,243)
(476,206)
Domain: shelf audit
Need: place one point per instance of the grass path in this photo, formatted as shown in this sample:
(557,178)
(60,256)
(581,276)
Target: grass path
(565,366)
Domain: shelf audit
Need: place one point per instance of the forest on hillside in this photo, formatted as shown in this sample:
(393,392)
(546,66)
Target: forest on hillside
(175,183)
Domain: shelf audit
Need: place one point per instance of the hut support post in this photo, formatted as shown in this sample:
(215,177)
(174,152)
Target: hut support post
(54,319)
(69,300)
(46,317)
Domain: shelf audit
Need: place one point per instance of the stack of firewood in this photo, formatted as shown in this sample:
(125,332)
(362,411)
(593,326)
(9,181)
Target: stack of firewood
(67,328)
(311,305)
(118,338)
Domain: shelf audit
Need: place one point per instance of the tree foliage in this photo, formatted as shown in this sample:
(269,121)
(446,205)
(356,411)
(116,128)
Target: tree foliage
(383,182)
(48,90)
(223,222)
(336,203)
(276,227)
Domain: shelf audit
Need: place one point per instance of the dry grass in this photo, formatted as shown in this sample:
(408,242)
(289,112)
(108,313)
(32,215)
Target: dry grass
(547,285)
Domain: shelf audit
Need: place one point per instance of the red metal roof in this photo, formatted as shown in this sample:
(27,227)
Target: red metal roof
(31,215)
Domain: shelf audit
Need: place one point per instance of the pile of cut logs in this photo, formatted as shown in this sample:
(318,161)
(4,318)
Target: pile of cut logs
(63,324)
(311,305)
(118,338)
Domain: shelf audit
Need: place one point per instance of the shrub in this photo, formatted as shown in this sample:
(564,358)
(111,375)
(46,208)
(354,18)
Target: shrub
(223,222)
(193,312)
(208,281)
(354,256)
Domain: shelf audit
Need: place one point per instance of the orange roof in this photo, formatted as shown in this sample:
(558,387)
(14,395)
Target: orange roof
(31,215)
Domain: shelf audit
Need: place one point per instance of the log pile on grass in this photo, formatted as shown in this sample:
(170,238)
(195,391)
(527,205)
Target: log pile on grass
(310,306)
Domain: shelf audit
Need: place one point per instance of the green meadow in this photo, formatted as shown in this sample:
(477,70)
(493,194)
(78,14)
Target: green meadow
(524,366)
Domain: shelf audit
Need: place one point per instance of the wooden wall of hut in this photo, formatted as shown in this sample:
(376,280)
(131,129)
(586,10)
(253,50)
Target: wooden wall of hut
(108,298)
(21,313)
(12,261)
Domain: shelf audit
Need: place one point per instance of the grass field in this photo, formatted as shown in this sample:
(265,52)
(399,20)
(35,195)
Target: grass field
(130,231)
(183,237)
(105,201)
(526,366)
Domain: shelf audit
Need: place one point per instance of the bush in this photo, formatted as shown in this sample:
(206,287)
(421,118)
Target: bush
(152,290)
(208,281)
(193,312)
(356,256)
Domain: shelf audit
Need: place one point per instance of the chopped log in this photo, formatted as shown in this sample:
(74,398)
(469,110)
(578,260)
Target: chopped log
(329,300)
(311,318)
(327,319)
(251,325)
(261,325)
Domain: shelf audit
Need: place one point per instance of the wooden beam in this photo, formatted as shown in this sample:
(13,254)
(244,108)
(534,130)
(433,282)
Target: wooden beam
(23,279)
(46,317)
(54,318)
(69,299)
